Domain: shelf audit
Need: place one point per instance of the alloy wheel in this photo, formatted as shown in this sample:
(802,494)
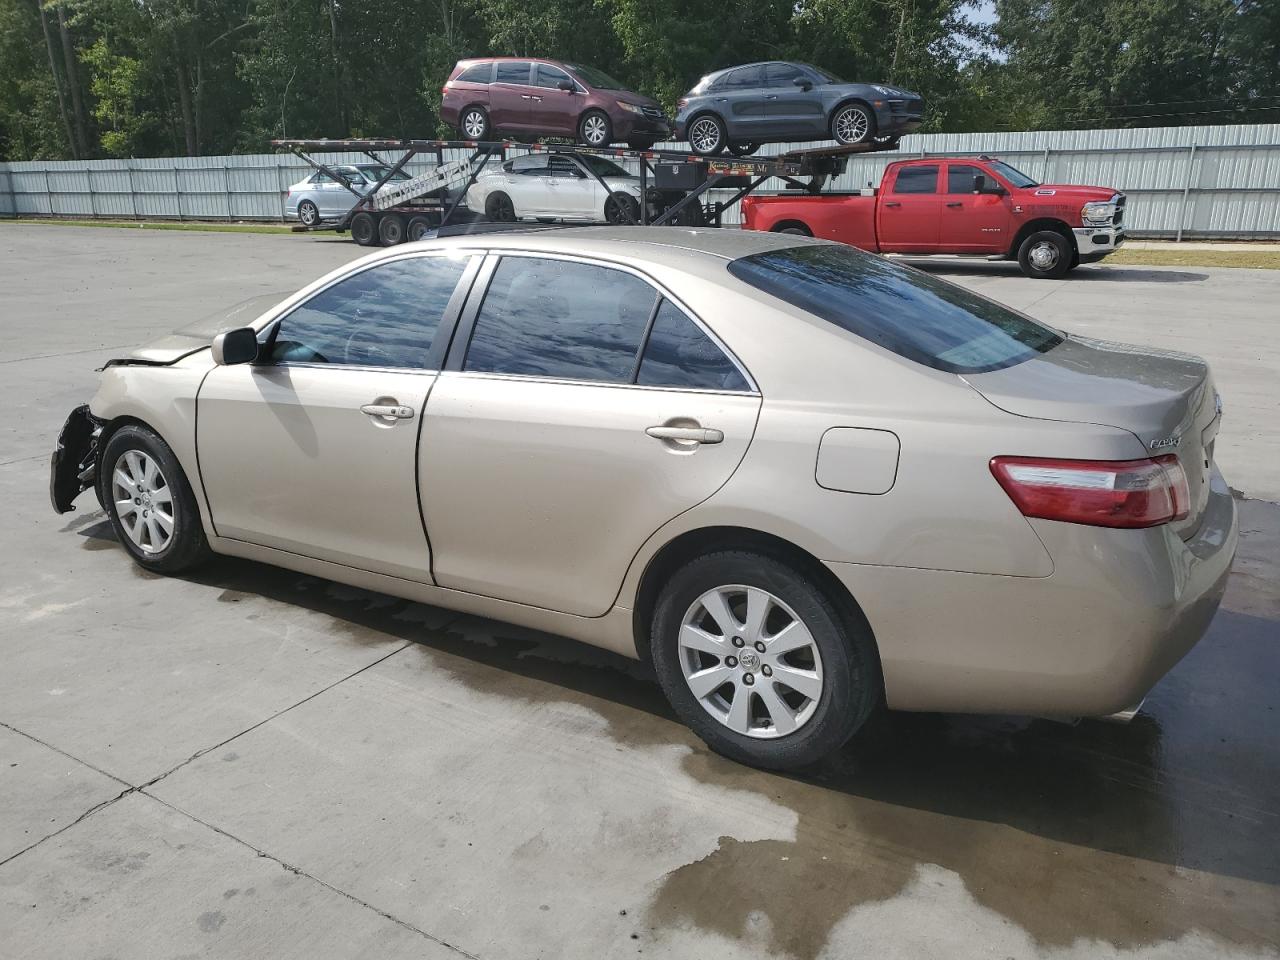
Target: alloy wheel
(143,501)
(750,661)
(1043,256)
(851,125)
(594,130)
(704,136)
(473,124)
(308,214)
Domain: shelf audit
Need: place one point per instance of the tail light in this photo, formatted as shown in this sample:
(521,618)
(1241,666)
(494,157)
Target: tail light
(1100,493)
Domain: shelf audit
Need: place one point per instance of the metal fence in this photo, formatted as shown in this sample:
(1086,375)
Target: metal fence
(1182,182)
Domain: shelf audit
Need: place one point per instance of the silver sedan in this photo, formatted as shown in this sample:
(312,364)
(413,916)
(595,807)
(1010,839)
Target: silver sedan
(321,197)
(800,480)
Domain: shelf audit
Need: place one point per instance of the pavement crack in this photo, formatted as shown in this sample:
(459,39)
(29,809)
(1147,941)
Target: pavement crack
(84,816)
(298,871)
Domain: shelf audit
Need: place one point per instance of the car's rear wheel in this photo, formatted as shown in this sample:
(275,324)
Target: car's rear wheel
(621,208)
(595,129)
(760,662)
(308,213)
(364,229)
(149,502)
(707,135)
(473,123)
(417,229)
(1045,255)
(853,123)
(795,229)
(499,208)
(391,229)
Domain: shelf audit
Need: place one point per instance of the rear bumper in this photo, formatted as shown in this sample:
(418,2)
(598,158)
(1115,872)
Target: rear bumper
(1094,243)
(1121,608)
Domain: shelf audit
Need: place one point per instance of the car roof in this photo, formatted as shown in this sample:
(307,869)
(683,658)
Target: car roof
(758,63)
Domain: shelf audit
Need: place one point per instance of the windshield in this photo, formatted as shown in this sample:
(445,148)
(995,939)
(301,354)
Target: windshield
(907,311)
(595,78)
(374,174)
(1012,174)
(602,167)
(826,75)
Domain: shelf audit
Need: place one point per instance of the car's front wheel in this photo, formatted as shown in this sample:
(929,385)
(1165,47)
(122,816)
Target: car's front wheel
(1045,255)
(760,661)
(499,208)
(595,129)
(621,208)
(853,123)
(149,501)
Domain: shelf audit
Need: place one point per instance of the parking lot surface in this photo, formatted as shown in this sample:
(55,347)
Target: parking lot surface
(249,762)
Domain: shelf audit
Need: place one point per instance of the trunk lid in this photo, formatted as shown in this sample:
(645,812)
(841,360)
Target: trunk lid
(1165,399)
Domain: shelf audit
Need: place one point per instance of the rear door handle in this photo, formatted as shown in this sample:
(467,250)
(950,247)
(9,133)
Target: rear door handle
(687,434)
(892,203)
(955,203)
(387,411)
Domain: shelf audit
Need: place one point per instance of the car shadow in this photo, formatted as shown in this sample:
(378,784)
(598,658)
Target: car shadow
(1087,273)
(1192,783)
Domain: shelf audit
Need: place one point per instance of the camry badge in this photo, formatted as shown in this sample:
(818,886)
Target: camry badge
(1165,442)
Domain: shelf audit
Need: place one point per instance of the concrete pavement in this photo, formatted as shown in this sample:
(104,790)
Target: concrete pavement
(253,763)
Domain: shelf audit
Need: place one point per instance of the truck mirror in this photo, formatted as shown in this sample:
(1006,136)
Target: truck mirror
(979,183)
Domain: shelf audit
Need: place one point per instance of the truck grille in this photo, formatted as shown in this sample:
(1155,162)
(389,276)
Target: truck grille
(1119,217)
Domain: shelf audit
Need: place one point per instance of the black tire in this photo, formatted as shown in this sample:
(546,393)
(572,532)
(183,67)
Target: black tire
(595,129)
(853,123)
(417,229)
(476,118)
(186,547)
(795,229)
(621,208)
(743,149)
(499,208)
(391,229)
(1045,255)
(850,688)
(640,144)
(308,214)
(707,135)
(364,229)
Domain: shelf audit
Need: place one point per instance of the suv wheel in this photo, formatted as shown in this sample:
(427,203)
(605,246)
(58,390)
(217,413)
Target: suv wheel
(474,124)
(760,662)
(595,129)
(853,123)
(706,135)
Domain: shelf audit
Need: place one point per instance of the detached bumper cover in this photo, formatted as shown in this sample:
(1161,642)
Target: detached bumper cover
(73,468)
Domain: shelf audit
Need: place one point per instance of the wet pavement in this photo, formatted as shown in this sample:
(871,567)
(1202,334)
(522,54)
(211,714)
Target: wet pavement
(249,762)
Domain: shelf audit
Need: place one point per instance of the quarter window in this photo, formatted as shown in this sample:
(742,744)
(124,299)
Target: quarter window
(513,71)
(960,178)
(386,316)
(917,180)
(680,354)
(560,318)
(478,73)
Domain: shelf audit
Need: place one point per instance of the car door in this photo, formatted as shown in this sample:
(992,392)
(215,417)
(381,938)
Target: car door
(328,195)
(527,185)
(581,409)
(791,110)
(511,95)
(313,449)
(554,111)
(738,97)
(572,194)
(972,222)
(907,214)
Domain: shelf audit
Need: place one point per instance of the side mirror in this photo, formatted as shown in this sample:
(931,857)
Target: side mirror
(803,83)
(565,85)
(235,346)
(980,185)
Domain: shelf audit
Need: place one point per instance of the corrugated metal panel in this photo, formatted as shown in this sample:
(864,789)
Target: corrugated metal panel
(1231,179)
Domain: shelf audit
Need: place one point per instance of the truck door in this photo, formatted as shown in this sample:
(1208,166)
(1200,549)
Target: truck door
(972,222)
(908,210)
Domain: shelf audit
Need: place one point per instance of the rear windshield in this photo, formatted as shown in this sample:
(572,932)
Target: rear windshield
(904,310)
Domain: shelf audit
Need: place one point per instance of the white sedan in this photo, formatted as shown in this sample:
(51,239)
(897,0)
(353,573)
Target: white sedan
(557,186)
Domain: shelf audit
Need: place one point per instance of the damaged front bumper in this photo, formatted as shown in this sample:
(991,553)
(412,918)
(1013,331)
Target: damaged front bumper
(73,468)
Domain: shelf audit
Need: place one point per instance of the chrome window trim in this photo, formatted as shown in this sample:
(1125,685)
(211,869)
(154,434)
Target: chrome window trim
(596,261)
(568,382)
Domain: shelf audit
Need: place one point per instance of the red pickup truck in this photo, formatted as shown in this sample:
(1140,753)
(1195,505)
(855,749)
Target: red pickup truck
(981,207)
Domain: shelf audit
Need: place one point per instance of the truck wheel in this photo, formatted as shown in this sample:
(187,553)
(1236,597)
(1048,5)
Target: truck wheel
(1045,255)
(391,229)
(364,229)
(794,228)
(474,124)
(418,228)
(853,123)
(707,135)
(499,208)
(595,129)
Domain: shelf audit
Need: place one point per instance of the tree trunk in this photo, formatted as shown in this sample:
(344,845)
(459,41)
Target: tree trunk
(198,109)
(339,100)
(184,101)
(72,145)
(73,82)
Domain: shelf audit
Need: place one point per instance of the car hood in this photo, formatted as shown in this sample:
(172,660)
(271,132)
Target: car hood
(1072,191)
(187,340)
(630,96)
(885,90)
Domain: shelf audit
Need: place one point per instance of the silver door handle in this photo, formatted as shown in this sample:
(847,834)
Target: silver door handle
(525,96)
(387,410)
(688,434)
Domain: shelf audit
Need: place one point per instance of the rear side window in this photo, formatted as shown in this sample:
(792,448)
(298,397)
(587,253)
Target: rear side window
(562,319)
(512,72)
(906,311)
(680,354)
(739,79)
(923,179)
(960,178)
(477,73)
(386,316)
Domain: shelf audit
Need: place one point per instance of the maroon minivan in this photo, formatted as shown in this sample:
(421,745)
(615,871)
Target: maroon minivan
(546,98)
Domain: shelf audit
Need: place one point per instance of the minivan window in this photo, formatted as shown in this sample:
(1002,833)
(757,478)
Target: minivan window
(917,179)
(680,354)
(386,316)
(545,75)
(513,71)
(595,78)
(907,311)
(477,73)
(562,319)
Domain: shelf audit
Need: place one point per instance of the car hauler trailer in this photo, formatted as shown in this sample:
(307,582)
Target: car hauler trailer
(672,183)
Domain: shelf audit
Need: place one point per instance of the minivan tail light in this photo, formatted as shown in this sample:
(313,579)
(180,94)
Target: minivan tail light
(1100,493)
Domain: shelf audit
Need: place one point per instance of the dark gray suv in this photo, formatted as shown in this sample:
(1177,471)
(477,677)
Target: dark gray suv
(740,108)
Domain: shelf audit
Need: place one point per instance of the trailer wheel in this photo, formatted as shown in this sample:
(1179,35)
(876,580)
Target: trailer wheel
(499,208)
(364,229)
(391,229)
(417,229)
(308,213)
(595,129)
(1045,255)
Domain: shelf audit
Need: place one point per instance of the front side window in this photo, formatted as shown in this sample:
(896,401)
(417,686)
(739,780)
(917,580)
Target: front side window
(603,167)
(595,78)
(562,319)
(960,178)
(782,74)
(907,311)
(922,179)
(1013,175)
(532,165)
(386,316)
(565,169)
(374,174)
(477,73)
(513,71)
(545,75)
(680,354)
